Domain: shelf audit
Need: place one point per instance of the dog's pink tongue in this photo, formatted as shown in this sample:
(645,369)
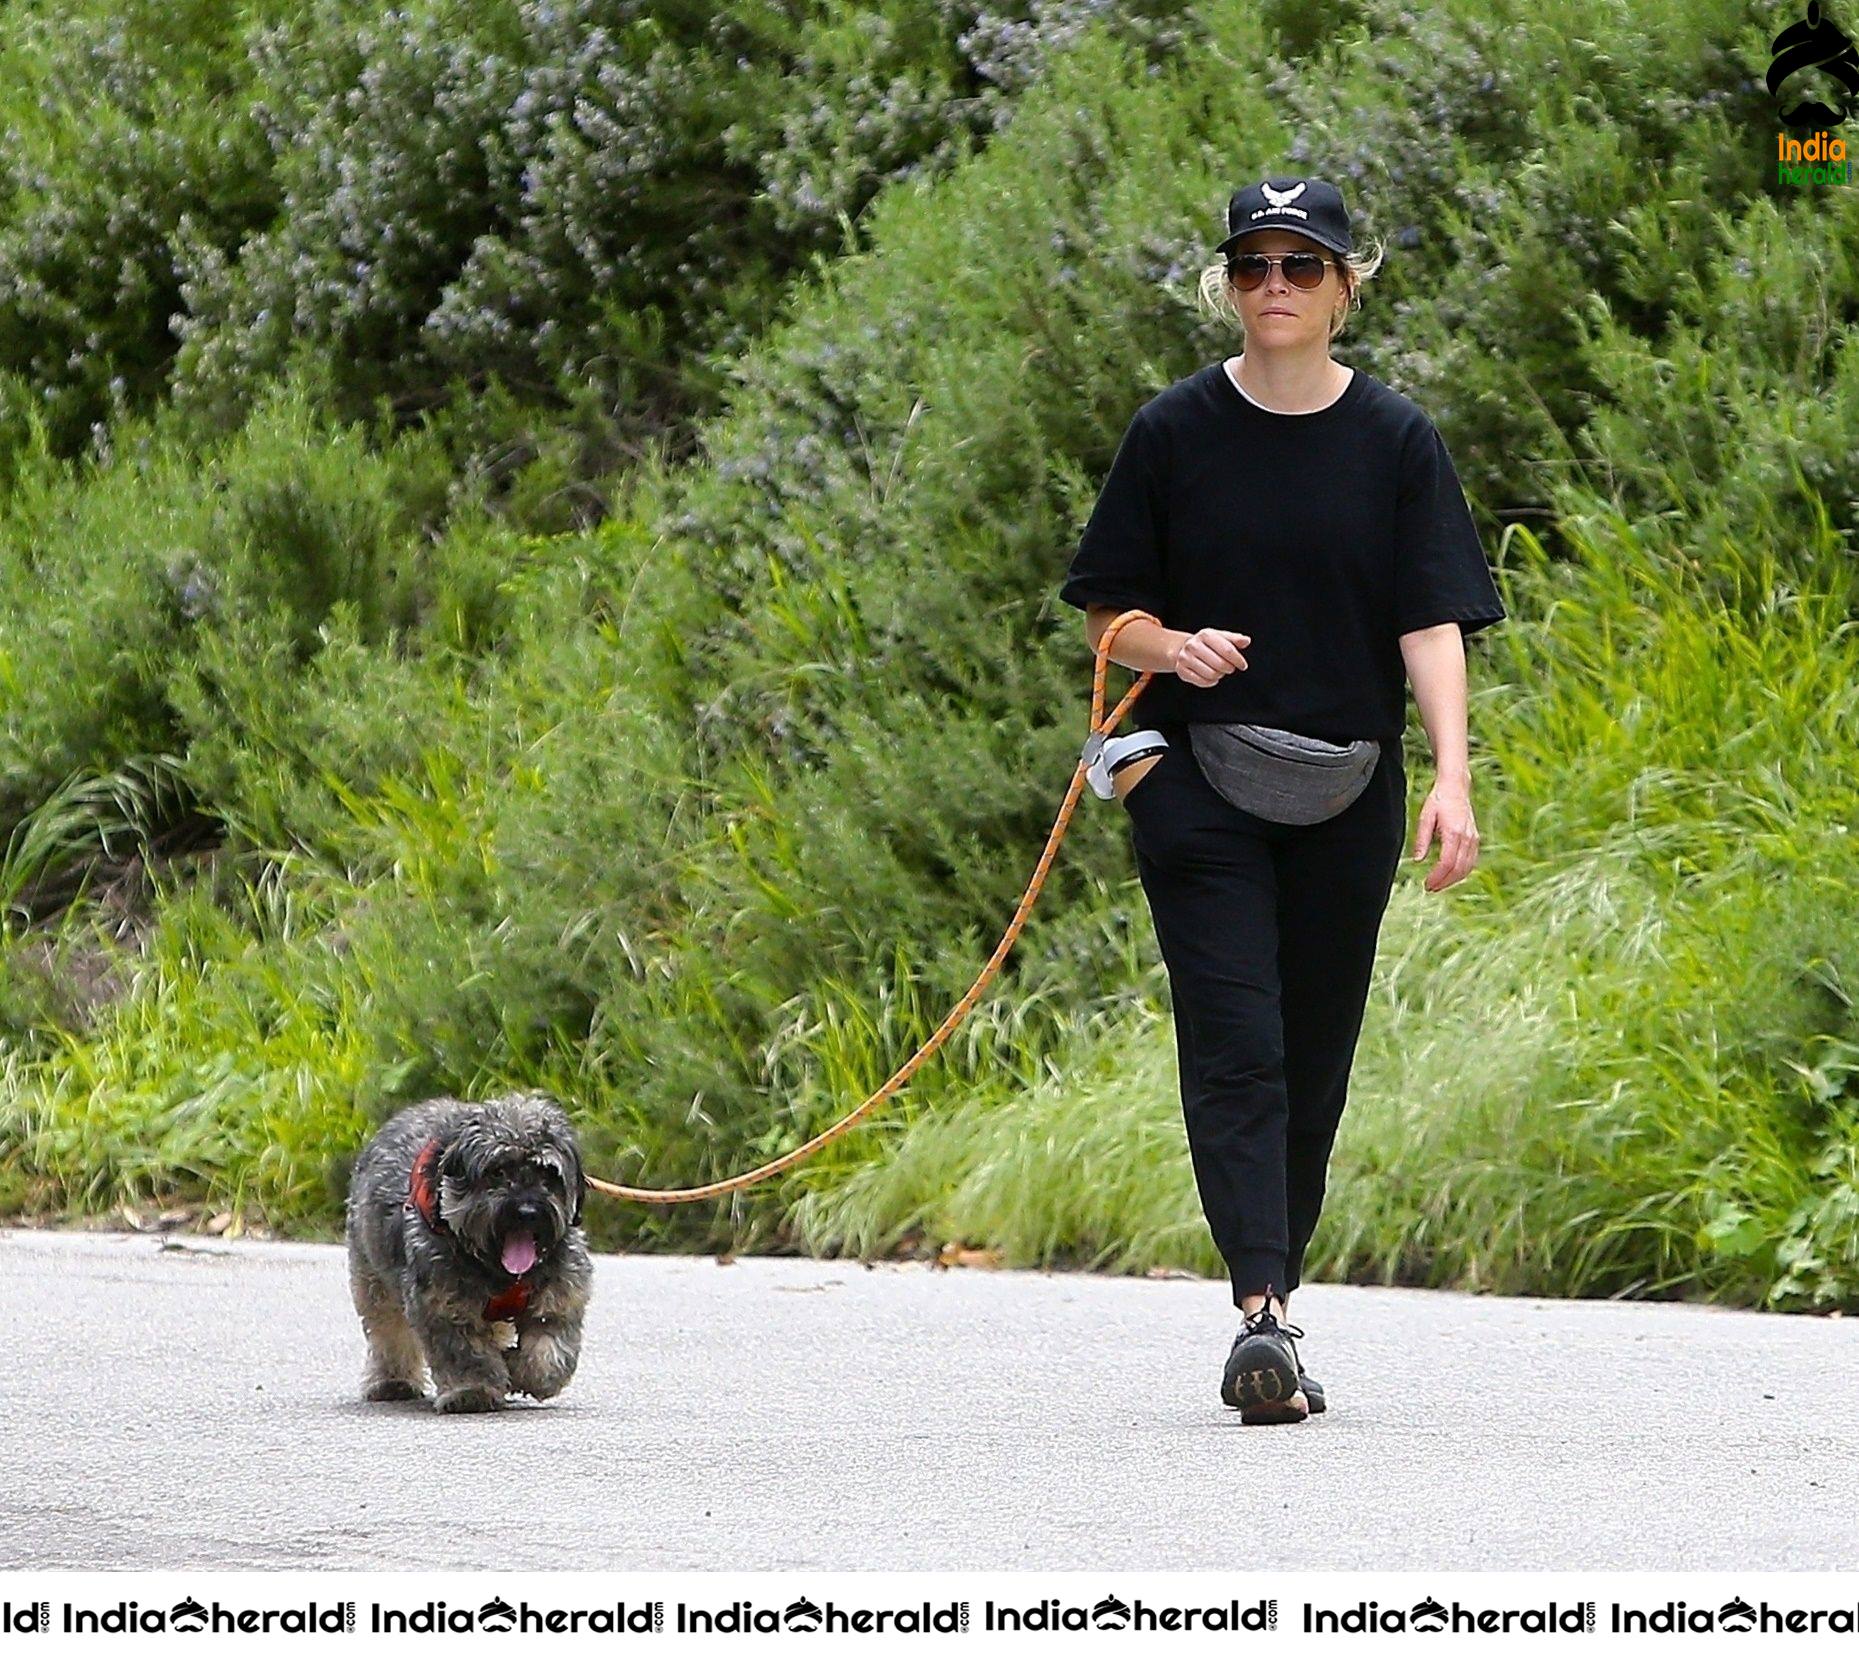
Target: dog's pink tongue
(519,1253)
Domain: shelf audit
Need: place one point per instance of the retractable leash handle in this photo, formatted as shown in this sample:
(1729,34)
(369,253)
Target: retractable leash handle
(1100,747)
(1109,755)
(1104,755)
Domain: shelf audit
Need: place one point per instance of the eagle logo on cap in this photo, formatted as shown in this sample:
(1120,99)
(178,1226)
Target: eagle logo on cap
(1282,198)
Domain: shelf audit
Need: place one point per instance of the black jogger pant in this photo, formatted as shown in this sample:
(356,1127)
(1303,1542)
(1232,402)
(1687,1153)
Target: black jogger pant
(1268,934)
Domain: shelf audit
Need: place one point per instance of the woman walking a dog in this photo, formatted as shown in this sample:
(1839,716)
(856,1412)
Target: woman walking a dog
(1299,529)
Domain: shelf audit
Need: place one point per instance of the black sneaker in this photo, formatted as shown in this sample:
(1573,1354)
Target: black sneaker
(1313,1390)
(1263,1376)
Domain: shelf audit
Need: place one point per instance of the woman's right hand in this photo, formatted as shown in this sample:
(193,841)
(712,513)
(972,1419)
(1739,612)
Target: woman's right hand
(1207,657)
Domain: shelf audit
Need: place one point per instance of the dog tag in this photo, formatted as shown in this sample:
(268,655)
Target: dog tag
(504,1330)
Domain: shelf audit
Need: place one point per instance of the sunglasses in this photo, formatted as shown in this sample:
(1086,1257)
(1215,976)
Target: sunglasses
(1302,270)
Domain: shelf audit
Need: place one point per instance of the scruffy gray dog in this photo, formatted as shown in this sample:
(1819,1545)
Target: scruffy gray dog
(466,1254)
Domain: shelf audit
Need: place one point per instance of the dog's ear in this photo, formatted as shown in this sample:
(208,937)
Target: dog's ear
(452,1166)
(562,1140)
(424,1179)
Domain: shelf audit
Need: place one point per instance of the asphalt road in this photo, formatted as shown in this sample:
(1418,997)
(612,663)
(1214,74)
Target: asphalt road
(197,1405)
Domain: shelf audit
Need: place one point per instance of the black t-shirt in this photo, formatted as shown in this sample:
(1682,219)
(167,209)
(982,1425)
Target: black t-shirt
(1325,536)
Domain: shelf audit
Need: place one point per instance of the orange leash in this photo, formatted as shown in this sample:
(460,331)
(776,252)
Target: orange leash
(1100,730)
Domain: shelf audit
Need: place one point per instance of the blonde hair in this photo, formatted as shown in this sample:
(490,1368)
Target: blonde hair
(1214,290)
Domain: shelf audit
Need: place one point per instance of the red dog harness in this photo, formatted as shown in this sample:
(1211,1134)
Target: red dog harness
(423,1195)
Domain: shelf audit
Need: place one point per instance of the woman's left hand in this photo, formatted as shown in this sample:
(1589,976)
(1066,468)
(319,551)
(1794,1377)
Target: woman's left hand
(1449,811)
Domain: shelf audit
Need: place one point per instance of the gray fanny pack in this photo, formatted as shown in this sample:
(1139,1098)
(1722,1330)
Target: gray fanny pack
(1278,775)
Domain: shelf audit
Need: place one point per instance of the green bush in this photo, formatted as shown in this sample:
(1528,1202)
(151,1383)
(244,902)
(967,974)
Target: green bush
(127,136)
(125,577)
(598,200)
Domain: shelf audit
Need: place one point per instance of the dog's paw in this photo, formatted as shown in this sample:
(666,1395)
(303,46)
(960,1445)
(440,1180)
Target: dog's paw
(391,1387)
(463,1399)
(543,1365)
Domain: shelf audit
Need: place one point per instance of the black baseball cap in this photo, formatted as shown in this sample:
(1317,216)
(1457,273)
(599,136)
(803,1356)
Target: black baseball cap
(1310,206)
